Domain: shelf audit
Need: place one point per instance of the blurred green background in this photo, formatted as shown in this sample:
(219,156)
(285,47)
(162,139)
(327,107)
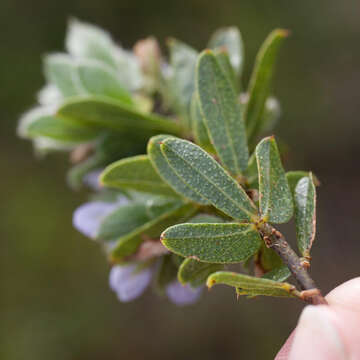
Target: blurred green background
(54,298)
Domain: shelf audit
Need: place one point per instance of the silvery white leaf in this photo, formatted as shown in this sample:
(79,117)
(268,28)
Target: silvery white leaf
(32,115)
(49,95)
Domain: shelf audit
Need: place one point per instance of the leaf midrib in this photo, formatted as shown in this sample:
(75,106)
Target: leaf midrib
(219,189)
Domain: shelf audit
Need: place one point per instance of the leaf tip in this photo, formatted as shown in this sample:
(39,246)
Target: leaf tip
(210,282)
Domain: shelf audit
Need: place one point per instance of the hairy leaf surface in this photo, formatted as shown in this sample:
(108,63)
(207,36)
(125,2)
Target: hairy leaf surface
(260,81)
(222,114)
(217,243)
(198,125)
(207,178)
(276,203)
(136,173)
(305,214)
(168,173)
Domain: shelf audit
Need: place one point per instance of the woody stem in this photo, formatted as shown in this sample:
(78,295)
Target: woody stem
(276,241)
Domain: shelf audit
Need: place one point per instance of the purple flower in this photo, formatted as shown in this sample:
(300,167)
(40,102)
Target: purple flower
(87,218)
(183,294)
(91,179)
(128,283)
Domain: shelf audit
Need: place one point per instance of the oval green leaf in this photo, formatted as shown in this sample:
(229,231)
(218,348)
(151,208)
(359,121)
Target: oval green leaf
(260,81)
(222,243)
(280,273)
(136,173)
(59,129)
(112,114)
(129,243)
(101,79)
(276,203)
(168,173)
(208,179)
(250,285)
(305,214)
(60,70)
(196,272)
(198,126)
(221,110)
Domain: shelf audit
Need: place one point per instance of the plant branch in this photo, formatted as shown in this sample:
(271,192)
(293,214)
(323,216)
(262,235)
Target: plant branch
(276,241)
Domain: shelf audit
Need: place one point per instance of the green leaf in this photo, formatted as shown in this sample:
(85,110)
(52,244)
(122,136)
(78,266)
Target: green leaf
(60,70)
(252,173)
(59,129)
(249,285)
(97,111)
(182,62)
(168,174)
(280,273)
(222,56)
(100,79)
(196,272)
(230,39)
(293,178)
(222,243)
(205,218)
(222,114)
(129,243)
(276,203)
(260,81)
(207,178)
(305,214)
(123,221)
(268,258)
(198,125)
(136,173)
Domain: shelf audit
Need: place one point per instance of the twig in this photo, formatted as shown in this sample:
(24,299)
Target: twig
(276,241)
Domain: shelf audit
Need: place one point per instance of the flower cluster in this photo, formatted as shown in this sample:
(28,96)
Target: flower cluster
(131,279)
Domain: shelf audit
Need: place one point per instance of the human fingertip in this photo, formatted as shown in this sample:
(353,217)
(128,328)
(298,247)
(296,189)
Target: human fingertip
(316,336)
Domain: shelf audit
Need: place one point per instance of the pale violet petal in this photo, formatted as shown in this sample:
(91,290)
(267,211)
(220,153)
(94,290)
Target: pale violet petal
(183,294)
(128,283)
(91,179)
(87,217)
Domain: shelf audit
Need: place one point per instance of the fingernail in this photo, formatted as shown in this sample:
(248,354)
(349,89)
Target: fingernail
(316,336)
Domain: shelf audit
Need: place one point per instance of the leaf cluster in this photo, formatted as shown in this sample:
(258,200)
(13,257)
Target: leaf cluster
(205,185)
